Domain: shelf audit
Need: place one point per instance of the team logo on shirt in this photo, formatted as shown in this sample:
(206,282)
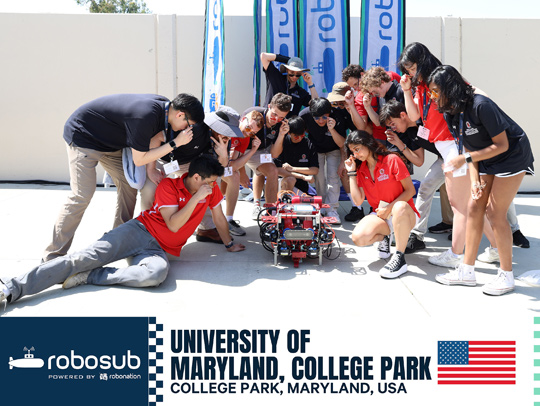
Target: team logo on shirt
(303,159)
(470,130)
(383,176)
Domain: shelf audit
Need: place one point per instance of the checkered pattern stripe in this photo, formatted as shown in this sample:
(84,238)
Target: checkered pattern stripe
(155,362)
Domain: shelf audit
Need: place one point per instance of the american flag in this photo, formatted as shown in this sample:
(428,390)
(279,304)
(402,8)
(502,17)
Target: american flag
(477,363)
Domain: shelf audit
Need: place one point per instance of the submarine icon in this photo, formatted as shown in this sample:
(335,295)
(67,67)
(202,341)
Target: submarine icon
(27,362)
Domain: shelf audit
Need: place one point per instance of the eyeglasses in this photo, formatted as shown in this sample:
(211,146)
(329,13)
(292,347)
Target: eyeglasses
(433,93)
(340,104)
(292,75)
(321,118)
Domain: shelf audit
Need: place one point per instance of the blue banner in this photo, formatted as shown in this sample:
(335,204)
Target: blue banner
(257,16)
(382,31)
(281,27)
(213,80)
(324,40)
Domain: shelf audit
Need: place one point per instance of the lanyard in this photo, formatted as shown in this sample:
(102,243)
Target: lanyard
(458,138)
(166,128)
(425,110)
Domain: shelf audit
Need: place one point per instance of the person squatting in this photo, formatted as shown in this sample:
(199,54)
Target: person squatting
(365,137)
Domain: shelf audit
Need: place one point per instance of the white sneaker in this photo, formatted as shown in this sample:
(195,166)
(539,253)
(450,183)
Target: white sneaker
(501,284)
(489,256)
(80,278)
(255,213)
(447,259)
(458,276)
(235,229)
(335,215)
(384,247)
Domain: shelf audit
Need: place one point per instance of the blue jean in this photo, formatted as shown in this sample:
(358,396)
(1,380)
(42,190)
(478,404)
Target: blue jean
(149,264)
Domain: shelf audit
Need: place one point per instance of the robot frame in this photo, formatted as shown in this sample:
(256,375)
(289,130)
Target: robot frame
(295,227)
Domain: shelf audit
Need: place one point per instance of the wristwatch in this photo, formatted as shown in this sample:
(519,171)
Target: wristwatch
(173,145)
(229,245)
(468,157)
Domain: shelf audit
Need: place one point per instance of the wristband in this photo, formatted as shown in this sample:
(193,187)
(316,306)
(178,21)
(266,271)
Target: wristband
(403,149)
(173,145)
(312,86)
(468,157)
(350,174)
(229,245)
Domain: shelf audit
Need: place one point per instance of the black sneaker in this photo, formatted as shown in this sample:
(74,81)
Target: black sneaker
(396,267)
(414,244)
(355,214)
(520,240)
(235,229)
(440,228)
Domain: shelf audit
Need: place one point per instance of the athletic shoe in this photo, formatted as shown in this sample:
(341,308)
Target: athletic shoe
(211,235)
(235,229)
(520,240)
(458,276)
(333,213)
(78,279)
(3,295)
(356,214)
(501,284)
(255,213)
(440,228)
(447,259)
(489,256)
(384,247)
(414,244)
(396,267)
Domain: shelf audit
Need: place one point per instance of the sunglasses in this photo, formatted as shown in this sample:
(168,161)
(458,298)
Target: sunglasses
(433,93)
(274,116)
(320,118)
(298,135)
(340,104)
(292,75)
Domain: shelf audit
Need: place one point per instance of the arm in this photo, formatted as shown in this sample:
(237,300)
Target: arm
(416,156)
(356,119)
(357,193)
(277,148)
(223,229)
(500,145)
(154,174)
(239,162)
(410,105)
(374,117)
(312,170)
(338,139)
(220,147)
(176,218)
(141,158)
(309,80)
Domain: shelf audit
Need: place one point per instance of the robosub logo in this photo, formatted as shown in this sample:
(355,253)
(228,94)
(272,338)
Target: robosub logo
(77,362)
(29,361)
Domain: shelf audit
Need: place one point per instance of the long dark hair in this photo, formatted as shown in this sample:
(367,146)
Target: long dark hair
(425,61)
(455,91)
(359,137)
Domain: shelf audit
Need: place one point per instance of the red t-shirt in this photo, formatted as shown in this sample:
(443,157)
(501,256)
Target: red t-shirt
(173,193)
(378,131)
(434,121)
(389,172)
(240,144)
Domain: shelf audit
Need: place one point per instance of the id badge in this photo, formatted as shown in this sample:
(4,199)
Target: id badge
(227,171)
(460,171)
(171,167)
(423,132)
(266,158)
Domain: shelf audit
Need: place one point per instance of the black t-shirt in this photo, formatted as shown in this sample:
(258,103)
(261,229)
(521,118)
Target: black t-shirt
(267,135)
(345,117)
(301,154)
(483,120)
(277,82)
(321,137)
(395,92)
(199,144)
(117,121)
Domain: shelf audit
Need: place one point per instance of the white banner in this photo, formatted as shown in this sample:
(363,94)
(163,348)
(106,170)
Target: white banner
(214,66)
(281,28)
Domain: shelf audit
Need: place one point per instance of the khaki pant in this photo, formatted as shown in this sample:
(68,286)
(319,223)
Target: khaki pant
(82,172)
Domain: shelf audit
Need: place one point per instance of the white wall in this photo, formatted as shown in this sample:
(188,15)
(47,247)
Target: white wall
(51,64)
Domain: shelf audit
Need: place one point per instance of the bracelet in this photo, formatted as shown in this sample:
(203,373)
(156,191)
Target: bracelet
(350,174)
(229,245)
(404,149)
(312,86)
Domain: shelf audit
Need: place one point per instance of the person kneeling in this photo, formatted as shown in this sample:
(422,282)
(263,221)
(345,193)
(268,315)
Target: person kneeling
(178,209)
(382,178)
